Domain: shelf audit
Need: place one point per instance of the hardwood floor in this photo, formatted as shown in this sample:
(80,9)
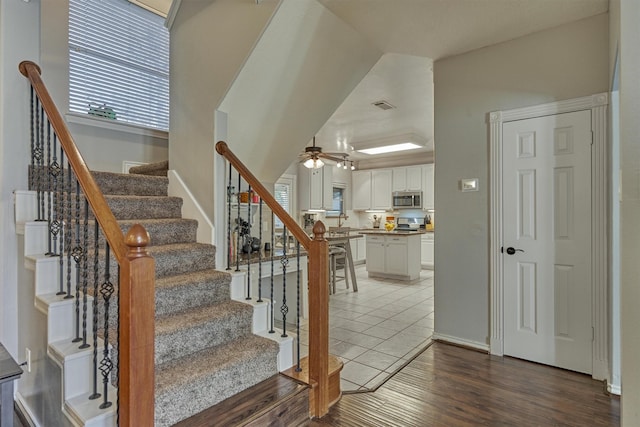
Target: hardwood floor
(452,386)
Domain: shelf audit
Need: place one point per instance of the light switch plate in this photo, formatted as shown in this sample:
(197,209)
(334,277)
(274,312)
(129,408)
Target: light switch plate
(468,184)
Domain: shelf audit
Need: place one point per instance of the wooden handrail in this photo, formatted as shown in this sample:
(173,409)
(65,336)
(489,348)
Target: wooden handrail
(269,200)
(90,188)
(318,255)
(136,282)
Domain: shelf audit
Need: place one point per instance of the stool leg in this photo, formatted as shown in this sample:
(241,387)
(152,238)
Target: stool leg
(333,273)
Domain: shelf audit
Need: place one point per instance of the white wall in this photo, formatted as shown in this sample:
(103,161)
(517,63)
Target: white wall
(19,34)
(630,208)
(561,63)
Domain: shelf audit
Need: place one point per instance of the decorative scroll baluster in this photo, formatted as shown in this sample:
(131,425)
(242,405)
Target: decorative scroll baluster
(106,364)
(48,172)
(32,114)
(238,247)
(38,155)
(96,278)
(285,262)
(77,253)
(298,368)
(67,237)
(248,297)
(85,272)
(229,195)
(273,227)
(63,231)
(260,252)
(54,224)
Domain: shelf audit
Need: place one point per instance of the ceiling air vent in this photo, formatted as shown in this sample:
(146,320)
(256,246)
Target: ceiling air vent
(383,105)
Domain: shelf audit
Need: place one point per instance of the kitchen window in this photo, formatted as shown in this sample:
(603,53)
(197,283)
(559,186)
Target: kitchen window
(337,202)
(118,63)
(283,192)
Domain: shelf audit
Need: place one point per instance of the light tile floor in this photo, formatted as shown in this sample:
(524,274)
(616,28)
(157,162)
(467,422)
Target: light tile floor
(378,329)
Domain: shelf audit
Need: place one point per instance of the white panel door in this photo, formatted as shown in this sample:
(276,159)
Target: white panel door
(547,240)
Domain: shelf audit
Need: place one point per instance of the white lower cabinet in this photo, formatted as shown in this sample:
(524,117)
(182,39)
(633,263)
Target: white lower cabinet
(358,250)
(393,256)
(426,251)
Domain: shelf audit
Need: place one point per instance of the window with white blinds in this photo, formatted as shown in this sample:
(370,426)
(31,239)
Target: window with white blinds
(118,62)
(281,193)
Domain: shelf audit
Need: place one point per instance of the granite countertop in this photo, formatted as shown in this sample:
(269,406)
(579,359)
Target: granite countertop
(394,232)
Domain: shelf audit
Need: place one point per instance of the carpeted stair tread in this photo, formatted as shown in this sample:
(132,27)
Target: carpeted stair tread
(182,258)
(189,290)
(164,231)
(148,207)
(188,385)
(131,185)
(180,334)
(151,169)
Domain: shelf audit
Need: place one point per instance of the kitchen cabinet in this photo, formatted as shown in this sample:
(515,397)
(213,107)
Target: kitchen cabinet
(426,251)
(393,255)
(428,186)
(361,190)
(315,188)
(381,189)
(358,250)
(407,178)
(371,189)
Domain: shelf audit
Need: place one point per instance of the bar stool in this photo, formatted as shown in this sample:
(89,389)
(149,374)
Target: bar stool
(336,254)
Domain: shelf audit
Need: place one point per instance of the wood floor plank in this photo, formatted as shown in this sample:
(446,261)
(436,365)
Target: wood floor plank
(453,386)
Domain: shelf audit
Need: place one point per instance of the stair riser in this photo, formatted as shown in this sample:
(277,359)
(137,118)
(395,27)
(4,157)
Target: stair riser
(187,297)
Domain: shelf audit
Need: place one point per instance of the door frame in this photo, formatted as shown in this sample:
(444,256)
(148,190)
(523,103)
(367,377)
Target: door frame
(597,104)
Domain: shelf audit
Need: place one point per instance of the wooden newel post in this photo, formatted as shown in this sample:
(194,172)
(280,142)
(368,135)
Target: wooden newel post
(136,381)
(319,320)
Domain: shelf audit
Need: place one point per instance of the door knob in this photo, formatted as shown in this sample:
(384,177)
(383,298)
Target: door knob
(512,250)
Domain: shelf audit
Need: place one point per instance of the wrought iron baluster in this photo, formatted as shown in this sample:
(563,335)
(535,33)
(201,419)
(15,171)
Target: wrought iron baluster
(229,195)
(48,193)
(67,232)
(285,262)
(85,272)
(96,278)
(273,227)
(77,253)
(248,297)
(238,226)
(63,230)
(54,224)
(298,368)
(39,154)
(106,364)
(260,252)
(32,111)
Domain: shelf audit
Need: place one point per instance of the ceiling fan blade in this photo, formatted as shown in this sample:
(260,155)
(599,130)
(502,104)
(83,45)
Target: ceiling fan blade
(330,157)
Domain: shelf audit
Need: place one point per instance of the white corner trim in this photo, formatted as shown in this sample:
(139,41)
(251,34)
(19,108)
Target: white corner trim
(173,12)
(461,341)
(599,195)
(614,389)
(191,208)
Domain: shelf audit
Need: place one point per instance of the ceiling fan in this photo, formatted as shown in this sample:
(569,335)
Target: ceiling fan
(312,156)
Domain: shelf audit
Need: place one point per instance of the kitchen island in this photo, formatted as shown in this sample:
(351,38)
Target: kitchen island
(393,254)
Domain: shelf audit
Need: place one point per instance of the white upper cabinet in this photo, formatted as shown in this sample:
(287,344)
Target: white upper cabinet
(315,188)
(427,186)
(361,190)
(407,178)
(381,188)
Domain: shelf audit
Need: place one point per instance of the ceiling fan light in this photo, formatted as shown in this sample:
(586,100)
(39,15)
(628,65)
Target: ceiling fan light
(308,163)
(318,164)
(313,163)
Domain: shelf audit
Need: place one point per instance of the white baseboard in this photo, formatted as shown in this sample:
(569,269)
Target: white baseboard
(461,341)
(191,208)
(25,411)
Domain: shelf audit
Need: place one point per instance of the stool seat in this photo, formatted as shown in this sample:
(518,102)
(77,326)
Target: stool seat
(336,254)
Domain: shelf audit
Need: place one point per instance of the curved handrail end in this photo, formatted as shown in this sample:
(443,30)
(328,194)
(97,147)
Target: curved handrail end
(221,147)
(23,67)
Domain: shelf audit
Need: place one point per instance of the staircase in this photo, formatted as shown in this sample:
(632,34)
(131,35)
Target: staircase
(205,351)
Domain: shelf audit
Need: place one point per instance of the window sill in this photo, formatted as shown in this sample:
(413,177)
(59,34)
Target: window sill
(86,120)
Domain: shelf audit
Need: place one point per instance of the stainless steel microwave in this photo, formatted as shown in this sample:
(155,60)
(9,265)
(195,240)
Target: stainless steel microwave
(407,199)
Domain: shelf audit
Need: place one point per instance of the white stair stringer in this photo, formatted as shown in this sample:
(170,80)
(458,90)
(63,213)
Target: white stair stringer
(86,412)
(261,321)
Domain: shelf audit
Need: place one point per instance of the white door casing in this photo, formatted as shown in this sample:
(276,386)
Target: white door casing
(597,106)
(547,217)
